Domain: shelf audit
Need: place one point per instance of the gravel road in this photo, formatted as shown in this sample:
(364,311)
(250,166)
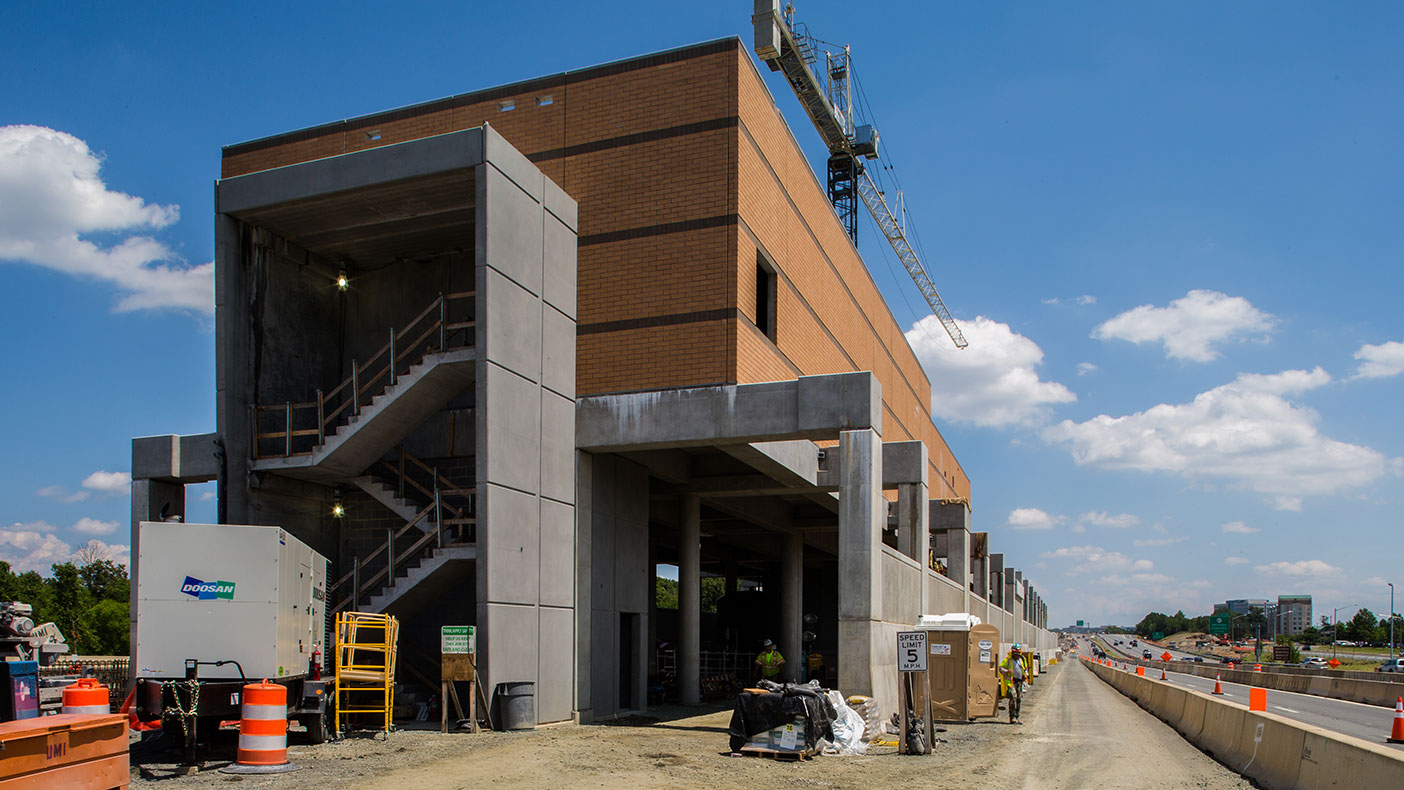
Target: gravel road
(1067,711)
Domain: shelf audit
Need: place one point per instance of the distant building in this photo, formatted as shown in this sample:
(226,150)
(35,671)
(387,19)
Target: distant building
(1242,605)
(1293,614)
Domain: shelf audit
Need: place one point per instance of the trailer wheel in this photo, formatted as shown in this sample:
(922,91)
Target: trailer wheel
(316,725)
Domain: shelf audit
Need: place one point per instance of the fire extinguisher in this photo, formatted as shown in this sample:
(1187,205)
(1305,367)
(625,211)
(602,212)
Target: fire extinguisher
(317,662)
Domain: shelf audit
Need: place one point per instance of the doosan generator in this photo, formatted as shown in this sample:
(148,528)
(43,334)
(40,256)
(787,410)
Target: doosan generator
(219,606)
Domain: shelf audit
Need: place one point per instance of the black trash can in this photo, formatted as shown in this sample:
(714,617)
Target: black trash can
(516,705)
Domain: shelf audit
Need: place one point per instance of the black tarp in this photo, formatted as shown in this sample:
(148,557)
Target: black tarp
(755,713)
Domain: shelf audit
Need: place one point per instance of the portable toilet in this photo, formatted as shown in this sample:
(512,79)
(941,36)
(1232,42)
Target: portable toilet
(962,666)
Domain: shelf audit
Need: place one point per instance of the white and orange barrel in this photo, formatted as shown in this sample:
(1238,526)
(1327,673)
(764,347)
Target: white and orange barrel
(263,725)
(87,696)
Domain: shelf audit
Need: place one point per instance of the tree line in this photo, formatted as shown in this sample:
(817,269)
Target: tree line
(88,602)
(1364,627)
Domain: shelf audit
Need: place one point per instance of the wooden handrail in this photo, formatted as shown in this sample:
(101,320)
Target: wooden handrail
(366,377)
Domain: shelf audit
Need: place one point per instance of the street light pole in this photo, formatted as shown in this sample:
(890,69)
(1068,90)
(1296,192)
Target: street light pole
(1391,621)
(1335,626)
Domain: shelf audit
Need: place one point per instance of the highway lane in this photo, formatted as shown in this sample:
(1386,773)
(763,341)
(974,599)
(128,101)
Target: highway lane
(1367,722)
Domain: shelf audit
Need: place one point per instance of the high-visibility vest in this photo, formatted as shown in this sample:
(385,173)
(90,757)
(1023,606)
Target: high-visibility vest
(770,663)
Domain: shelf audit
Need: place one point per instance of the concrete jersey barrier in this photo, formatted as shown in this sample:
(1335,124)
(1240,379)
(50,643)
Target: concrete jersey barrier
(1369,691)
(1275,752)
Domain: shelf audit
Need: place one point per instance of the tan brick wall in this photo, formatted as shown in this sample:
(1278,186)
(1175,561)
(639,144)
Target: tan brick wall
(662,156)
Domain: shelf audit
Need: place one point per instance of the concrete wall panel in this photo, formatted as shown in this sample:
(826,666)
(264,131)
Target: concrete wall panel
(511,564)
(557,447)
(557,554)
(558,356)
(510,332)
(901,588)
(555,684)
(510,240)
(512,441)
(559,274)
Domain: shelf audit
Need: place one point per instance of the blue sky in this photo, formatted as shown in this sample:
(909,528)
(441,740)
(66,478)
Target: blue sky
(1171,232)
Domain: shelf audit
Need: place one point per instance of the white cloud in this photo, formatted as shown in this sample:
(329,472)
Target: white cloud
(108,482)
(62,494)
(1236,560)
(207,496)
(1289,503)
(34,547)
(1303,569)
(1086,299)
(1095,559)
(1382,361)
(1190,326)
(993,383)
(54,195)
(1032,518)
(1238,528)
(1102,519)
(1145,543)
(1245,433)
(91,526)
(1083,368)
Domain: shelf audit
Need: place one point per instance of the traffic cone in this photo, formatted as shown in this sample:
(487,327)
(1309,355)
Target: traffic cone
(1396,735)
(1218,685)
(1162,674)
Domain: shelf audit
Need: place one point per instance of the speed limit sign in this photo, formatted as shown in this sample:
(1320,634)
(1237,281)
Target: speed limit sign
(911,651)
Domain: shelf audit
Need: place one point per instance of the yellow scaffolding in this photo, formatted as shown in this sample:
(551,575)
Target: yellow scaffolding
(365,666)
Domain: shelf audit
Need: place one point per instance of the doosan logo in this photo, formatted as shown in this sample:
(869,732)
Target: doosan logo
(207,591)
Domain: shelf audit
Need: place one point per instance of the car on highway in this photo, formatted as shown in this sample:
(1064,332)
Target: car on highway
(1146,654)
(1315,663)
(1392,665)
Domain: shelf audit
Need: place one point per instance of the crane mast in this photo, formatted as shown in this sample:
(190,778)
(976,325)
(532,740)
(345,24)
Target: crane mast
(827,97)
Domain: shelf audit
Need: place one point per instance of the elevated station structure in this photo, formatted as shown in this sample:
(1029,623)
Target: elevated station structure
(502,355)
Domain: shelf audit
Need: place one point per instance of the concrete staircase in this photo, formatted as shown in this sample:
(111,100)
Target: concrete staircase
(419,582)
(400,506)
(417,394)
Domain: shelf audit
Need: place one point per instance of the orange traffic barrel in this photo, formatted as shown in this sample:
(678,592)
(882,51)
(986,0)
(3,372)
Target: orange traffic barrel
(87,696)
(263,731)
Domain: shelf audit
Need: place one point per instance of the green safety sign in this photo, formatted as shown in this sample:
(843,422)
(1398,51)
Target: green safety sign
(458,640)
(1219,623)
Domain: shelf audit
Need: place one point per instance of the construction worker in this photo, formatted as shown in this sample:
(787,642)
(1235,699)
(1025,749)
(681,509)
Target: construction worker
(769,661)
(1012,671)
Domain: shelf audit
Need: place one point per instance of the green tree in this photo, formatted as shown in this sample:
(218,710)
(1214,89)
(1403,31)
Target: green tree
(1363,627)
(665,593)
(108,629)
(1311,635)
(106,580)
(71,602)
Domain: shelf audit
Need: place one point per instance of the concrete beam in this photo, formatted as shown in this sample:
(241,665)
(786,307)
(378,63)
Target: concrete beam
(902,463)
(811,407)
(792,464)
(453,151)
(175,459)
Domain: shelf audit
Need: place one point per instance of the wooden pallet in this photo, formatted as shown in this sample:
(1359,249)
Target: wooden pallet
(777,754)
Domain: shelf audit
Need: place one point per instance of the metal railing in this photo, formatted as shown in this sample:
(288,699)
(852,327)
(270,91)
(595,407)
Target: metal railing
(453,510)
(297,428)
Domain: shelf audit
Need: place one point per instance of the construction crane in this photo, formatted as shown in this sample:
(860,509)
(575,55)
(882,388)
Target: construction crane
(828,99)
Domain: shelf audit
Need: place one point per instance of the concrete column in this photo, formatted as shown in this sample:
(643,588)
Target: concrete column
(913,535)
(149,499)
(980,565)
(792,605)
(953,519)
(690,601)
(862,514)
(995,581)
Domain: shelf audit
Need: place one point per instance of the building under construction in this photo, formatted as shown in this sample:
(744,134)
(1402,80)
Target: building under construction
(501,355)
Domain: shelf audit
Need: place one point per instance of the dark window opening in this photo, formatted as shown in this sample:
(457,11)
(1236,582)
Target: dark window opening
(765,298)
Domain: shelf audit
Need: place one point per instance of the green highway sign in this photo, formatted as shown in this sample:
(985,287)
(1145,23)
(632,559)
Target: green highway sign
(1158,635)
(1079,623)
(1219,623)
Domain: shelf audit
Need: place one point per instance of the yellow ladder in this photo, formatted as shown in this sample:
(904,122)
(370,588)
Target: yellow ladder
(365,666)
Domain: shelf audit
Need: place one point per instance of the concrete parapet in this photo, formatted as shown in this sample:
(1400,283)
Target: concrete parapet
(1275,752)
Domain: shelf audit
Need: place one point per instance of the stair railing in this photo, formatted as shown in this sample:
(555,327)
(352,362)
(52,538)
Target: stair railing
(443,325)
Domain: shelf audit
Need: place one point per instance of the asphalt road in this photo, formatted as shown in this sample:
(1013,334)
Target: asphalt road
(1367,722)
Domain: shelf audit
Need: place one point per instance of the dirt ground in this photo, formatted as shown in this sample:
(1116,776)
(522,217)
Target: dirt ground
(1079,733)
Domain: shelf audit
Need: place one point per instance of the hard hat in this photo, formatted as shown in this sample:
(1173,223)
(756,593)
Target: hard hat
(767,643)
(1016,647)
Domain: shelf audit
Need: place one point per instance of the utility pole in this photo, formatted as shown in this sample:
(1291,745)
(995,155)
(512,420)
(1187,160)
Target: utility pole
(1391,621)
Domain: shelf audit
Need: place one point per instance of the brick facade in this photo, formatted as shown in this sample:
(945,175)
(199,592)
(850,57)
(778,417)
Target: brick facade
(684,172)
